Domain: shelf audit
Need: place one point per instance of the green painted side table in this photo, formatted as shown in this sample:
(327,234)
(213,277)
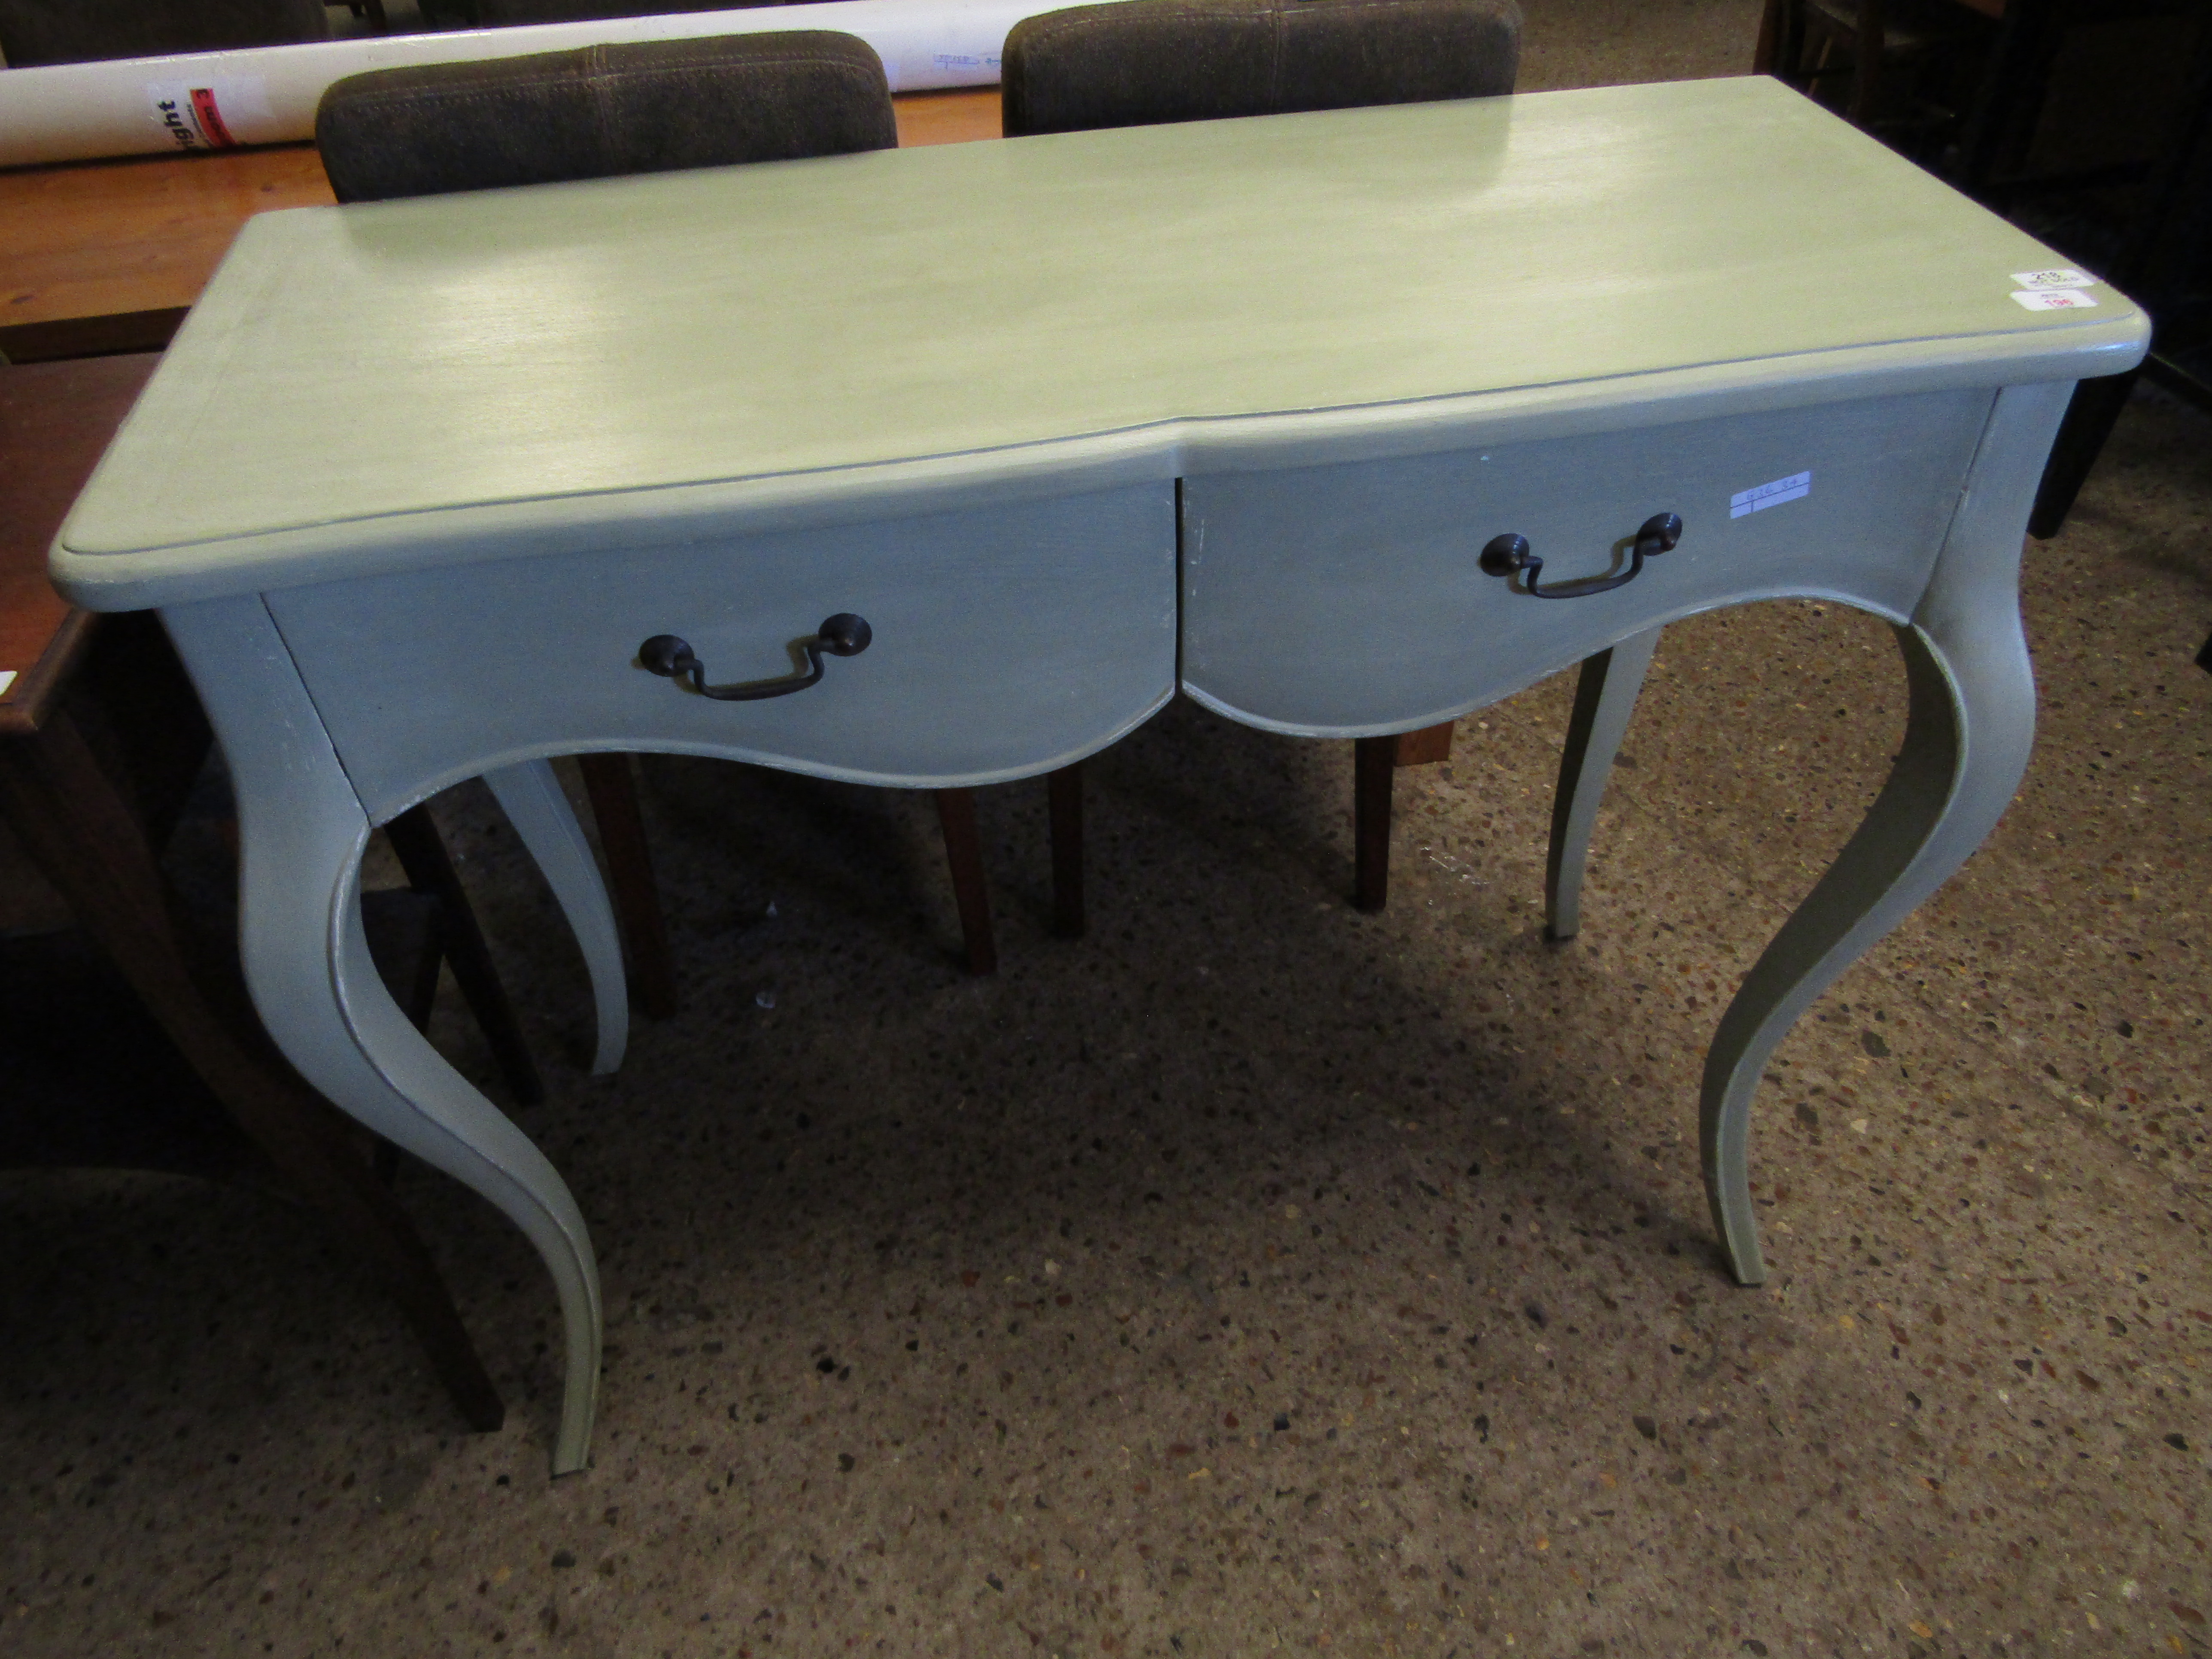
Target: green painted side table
(1343,424)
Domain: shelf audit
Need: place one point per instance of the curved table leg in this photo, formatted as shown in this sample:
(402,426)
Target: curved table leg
(1604,696)
(1970,726)
(302,831)
(537,807)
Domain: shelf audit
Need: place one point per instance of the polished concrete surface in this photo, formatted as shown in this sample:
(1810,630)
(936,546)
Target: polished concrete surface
(1254,1274)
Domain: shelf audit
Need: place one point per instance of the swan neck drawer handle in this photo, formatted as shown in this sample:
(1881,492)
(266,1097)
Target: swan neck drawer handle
(842,635)
(1505,554)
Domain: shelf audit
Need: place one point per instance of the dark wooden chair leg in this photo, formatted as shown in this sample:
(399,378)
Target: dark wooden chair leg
(1430,746)
(612,785)
(1771,24)
(1870,39)
(68,814)
(2090,417)
(402,926)
(1373,761)
(963,852)
(1374,765)
(429,869)
(1064,795)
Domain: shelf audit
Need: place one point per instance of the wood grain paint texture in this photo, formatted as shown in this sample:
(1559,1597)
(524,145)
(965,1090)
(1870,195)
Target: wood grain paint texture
(569,343)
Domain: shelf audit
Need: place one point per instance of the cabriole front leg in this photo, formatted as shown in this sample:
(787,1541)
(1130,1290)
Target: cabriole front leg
(302,833)
(1969,726)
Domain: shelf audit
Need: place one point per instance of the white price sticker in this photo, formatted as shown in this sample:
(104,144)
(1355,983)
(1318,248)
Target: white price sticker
(2052,278)
(2054,299)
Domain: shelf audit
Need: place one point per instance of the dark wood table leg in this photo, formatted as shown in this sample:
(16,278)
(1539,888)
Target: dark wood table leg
(67,811)
(1374,766)
(1063,798)
(963,852)
(429,869)
(613,786)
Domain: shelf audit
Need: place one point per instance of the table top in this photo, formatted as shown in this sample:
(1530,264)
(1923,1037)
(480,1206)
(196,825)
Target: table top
(548,354)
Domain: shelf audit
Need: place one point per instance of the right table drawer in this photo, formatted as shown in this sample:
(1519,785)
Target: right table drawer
(1348,598)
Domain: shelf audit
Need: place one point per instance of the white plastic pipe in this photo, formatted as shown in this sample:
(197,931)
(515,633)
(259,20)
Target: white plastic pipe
(267,94)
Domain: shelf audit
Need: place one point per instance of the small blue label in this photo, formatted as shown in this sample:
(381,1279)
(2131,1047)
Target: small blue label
(1795,487)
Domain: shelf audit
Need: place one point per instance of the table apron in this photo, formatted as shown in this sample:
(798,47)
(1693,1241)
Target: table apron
(1010,638)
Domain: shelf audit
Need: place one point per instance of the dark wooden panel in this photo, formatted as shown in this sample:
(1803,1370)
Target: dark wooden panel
(91,337)
(55,422)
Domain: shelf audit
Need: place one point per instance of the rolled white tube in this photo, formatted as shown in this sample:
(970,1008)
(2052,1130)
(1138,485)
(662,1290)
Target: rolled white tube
(267,95)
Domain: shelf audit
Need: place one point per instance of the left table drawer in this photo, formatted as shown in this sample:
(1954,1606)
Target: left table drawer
(1007,639)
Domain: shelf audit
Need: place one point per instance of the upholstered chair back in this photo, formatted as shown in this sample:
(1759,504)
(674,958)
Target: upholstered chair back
(649,106)
(1136,62)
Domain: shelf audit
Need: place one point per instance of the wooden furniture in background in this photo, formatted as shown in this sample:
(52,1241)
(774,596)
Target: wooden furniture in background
(91,767)
(116,251)
(2135,207)
(2163,253)
(1375,763)
(34,32)
(106,256)
(1867,46)
(93,244)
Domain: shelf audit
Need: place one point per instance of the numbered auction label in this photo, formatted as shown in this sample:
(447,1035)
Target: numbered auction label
(2054,299)
(2052,278)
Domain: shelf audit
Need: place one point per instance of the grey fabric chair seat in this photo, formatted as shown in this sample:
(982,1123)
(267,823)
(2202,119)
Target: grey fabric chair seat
(36,32)
(1142,62)
(649,106)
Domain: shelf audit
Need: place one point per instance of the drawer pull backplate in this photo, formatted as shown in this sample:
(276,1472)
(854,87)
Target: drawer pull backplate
(1504,554)
(842,635)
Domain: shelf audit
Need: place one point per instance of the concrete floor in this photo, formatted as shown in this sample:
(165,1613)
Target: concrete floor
(1255,1273)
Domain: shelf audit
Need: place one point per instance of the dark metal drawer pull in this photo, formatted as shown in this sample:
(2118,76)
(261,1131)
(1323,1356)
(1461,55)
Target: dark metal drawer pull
(1508,554)
(842,635)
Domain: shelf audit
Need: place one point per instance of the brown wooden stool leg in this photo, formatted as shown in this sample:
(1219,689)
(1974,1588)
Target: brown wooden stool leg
(1374,761)
(70,818)
(429,869)
(1063,794)
(612,785)
(964,851)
